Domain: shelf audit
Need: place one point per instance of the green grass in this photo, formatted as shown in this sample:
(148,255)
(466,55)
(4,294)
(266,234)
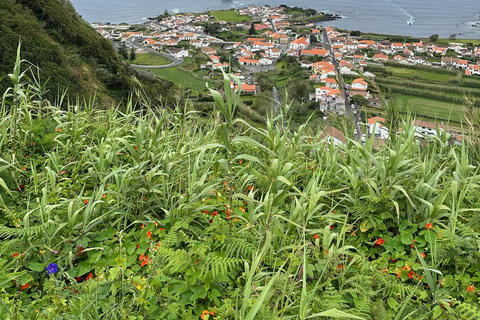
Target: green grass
(421,74)
(150,59)
(281,64)
(180,77)
(229,16)
(431,108)
(475,42)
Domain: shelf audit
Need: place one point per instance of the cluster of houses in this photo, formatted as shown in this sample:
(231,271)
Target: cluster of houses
(403,52)
(376,126)
(277,39)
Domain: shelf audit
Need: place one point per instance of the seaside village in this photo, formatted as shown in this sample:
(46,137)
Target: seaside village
(316,50)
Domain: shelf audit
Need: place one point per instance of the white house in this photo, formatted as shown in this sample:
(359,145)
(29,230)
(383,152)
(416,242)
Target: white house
(359,84)
(376,126)
(273,53)
(265,61)
(298,44)
(333,135)
(178,53)
(425,128)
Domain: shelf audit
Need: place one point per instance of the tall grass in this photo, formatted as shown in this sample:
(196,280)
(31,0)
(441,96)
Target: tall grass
(238,221)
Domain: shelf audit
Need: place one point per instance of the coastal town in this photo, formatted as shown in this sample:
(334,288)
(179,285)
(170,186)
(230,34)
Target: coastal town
(262,37)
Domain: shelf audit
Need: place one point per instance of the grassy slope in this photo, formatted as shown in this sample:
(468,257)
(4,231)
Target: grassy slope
(229,16)
(420,74)
(150,59)
(431,108)
(179,77)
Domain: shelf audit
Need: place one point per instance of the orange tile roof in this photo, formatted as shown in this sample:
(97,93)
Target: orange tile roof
(376,119)
(360,80)
(315,52)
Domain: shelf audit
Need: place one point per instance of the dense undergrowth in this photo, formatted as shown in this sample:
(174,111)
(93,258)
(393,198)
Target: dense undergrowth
(147,213)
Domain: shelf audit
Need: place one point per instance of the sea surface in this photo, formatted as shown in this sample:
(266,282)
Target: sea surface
(461,17)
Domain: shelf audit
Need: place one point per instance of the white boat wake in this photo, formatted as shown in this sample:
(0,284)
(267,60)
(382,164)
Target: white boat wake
(409,21)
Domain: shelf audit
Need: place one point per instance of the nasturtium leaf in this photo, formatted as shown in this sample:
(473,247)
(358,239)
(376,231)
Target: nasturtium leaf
(83,267)
(416,266)
(199,292)
(403,226)
(24,279)
(437,312)
(400,263)
(407,238)
(102,264)
(36,266)
(398,245)
(131,247)
(94,257)
(393,303)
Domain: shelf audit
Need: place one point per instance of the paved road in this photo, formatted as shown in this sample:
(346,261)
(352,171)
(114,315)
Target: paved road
(348,108)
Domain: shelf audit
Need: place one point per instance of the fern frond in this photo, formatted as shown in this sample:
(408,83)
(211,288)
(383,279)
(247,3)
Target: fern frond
(238,247)
(466,311)
(219,265)
(332,299)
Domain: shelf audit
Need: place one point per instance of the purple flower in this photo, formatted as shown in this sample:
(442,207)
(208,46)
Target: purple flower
(52,268)
(54,252)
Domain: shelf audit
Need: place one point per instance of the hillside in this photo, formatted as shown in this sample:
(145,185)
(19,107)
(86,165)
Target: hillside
(114,214)
(68,52)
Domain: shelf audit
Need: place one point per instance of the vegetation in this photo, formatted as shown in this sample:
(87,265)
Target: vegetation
(149,59)
(180,77)
(69,54)
(229,16)
(157,213)
(434,109)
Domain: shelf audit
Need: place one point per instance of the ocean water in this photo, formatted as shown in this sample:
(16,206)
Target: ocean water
(461,17)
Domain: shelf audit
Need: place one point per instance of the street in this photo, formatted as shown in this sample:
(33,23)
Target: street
(348,108)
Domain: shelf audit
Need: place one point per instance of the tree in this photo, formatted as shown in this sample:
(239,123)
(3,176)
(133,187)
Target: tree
(434,37)
(211,28)
(122,50)
(355,33)
(166,12)
(310,12)
(359,100)
(251,31)
(453,36)
(133,56)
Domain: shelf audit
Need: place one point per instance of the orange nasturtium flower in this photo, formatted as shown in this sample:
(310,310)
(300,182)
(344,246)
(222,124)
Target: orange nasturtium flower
(24,287)
(429,226)
(316,237)
(16,254)
(380,242)
(85,201)
(471,288)
(422,254)
(149,234)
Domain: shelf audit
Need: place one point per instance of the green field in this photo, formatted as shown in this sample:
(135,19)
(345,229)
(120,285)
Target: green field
(475,42)
(418,74)
(431,108)
(180,77)
(229,16)
(150,59)
(281,64)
